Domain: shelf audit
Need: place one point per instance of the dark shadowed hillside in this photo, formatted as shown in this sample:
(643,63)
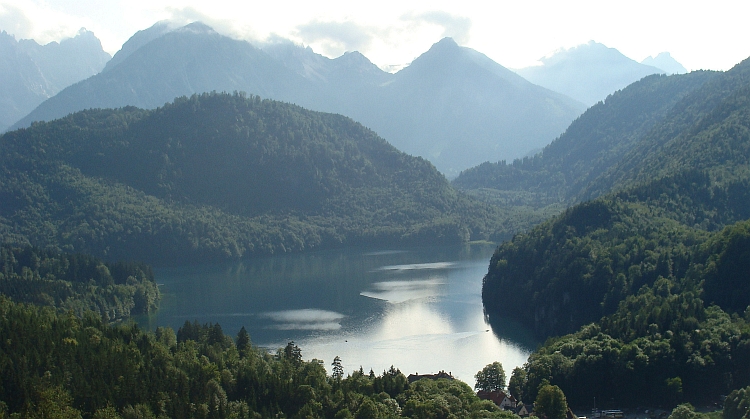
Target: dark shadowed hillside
(221,176)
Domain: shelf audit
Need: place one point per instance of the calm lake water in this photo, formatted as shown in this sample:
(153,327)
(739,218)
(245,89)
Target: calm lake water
(418,309)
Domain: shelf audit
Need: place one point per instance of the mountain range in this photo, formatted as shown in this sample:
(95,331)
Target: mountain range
(452,105)
(592,71)
(32,73)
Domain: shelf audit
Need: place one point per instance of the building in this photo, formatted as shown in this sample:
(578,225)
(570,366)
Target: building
(504,401)
(525,410)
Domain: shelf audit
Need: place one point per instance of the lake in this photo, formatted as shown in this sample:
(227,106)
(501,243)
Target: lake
(418,309)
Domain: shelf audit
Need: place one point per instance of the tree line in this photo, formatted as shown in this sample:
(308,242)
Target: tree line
(58,365)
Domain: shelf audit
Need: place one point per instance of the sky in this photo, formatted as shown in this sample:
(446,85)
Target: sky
(391,34)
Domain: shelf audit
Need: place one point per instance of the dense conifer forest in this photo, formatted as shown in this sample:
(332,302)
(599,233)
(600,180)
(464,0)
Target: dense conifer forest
(643,291)
(77,283)
(63,366)
(641,286)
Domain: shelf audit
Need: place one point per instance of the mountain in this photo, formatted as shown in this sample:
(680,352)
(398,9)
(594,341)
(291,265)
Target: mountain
(457,108)
(665,62)
(180,62)
(588,72)
(453,105)
(339,74)
(32,73)
(218,176)
(589,147)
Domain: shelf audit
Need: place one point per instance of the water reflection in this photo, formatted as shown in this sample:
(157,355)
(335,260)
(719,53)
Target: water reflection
(418,337)
(307,319)
(401,291)
(417,309)
(418,266)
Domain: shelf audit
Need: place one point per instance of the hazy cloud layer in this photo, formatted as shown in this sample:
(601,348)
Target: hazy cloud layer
(226,27)
(456,27)
(335,38)
(14,21)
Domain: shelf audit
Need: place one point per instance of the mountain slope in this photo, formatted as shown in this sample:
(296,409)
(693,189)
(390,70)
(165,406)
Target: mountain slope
(707,130)
(220,176)
(457,108)
(452,106)
(685,180)
(592,144)
(32,73)
(188,60)
(588,73)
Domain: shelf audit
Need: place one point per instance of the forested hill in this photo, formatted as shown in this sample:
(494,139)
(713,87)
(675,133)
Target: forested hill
(590,146)
(707,130)
(577,267)
(625,140)
(221,176)
(651,279)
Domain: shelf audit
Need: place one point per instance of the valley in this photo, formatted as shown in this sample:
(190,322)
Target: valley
(202,225)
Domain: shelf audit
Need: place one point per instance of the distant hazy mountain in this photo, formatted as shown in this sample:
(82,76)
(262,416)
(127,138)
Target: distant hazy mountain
(453,106)
(138,40)
(588,72)
(187,60)
(665,62)
(346,71)
(32,73)
(457,108)
(594,143)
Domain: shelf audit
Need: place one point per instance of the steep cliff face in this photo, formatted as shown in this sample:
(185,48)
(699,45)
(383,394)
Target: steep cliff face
(32,73)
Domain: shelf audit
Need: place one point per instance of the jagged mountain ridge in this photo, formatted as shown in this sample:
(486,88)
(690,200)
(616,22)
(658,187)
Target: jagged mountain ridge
(588,72)
(32,73)
(664,61)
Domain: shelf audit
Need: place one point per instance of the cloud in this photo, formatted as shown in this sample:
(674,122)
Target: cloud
(337,38)
(14,21)
(40,22)
(456,27)
(393,44)
(227,27)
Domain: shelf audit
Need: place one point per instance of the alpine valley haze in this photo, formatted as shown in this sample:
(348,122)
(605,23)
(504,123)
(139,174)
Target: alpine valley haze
(326,211)
(452,105)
